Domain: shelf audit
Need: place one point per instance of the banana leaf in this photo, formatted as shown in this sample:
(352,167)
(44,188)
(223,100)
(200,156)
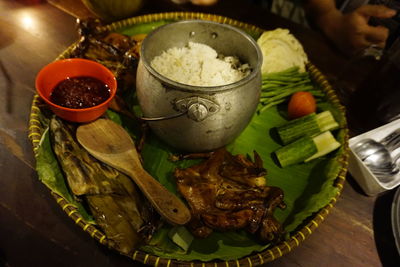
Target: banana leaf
(50,173)
(308,187)
(143,28)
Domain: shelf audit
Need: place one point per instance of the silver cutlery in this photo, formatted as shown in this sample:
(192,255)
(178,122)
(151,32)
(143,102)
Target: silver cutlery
(378,157)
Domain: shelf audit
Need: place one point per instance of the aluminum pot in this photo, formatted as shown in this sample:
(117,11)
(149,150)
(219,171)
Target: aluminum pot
(198,118)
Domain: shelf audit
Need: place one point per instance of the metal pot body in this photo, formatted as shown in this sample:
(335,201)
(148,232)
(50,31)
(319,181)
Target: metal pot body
(212,116)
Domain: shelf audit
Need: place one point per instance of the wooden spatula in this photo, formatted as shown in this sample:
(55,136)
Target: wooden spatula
(111,144)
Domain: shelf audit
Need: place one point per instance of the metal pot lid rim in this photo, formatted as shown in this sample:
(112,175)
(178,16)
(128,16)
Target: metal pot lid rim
(203,89)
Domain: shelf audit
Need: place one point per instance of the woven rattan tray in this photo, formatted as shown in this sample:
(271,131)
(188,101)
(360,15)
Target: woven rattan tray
(36,130)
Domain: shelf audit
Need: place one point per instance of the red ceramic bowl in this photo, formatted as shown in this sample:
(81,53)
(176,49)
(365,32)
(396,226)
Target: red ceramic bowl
(57,71)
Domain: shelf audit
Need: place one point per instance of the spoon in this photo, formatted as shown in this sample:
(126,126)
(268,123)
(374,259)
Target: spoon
(386,175)
(369,146)
(111,144)
(381,158)
(377,155)
(382,164)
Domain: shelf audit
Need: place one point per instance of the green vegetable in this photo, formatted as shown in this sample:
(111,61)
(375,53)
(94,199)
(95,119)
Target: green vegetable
(325,143)
(281,50)
(296,152)
(143,28)
(306,149)
(310,125)
(278,86)
(181,236)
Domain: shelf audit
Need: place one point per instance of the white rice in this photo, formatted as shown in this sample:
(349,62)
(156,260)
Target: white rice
(199,65)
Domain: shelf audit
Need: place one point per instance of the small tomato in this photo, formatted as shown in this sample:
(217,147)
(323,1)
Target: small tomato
(301,104)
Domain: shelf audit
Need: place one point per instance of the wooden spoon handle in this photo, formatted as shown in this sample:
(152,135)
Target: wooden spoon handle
(110,143)
(166,203)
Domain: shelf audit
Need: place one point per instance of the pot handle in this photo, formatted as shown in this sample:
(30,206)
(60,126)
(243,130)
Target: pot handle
(163,117)
(197,108)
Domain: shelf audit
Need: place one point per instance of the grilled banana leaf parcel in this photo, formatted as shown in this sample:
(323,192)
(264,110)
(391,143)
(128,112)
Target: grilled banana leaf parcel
(117,205)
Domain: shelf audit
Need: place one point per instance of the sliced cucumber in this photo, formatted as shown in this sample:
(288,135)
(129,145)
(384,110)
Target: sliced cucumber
(181,237)
(296,152)
(326,121)
(306,148)
(309,125)
(325,143)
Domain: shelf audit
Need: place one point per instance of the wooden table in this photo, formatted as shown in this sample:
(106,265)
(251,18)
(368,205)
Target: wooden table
(34,231)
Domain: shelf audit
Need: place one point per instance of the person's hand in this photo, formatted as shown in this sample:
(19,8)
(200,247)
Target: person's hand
(351,32)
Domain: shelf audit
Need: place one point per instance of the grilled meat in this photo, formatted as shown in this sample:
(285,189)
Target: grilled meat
(222,195)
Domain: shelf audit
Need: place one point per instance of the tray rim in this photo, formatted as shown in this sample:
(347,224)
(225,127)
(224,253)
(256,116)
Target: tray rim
(35,132)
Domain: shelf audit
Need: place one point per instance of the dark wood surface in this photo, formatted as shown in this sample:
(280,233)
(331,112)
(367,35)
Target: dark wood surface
(34,231)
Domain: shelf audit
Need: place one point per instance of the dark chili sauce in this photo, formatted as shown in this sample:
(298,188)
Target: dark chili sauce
(80,92)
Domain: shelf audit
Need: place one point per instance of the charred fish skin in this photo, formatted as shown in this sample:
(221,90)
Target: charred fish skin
(222,196)
(117,205)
